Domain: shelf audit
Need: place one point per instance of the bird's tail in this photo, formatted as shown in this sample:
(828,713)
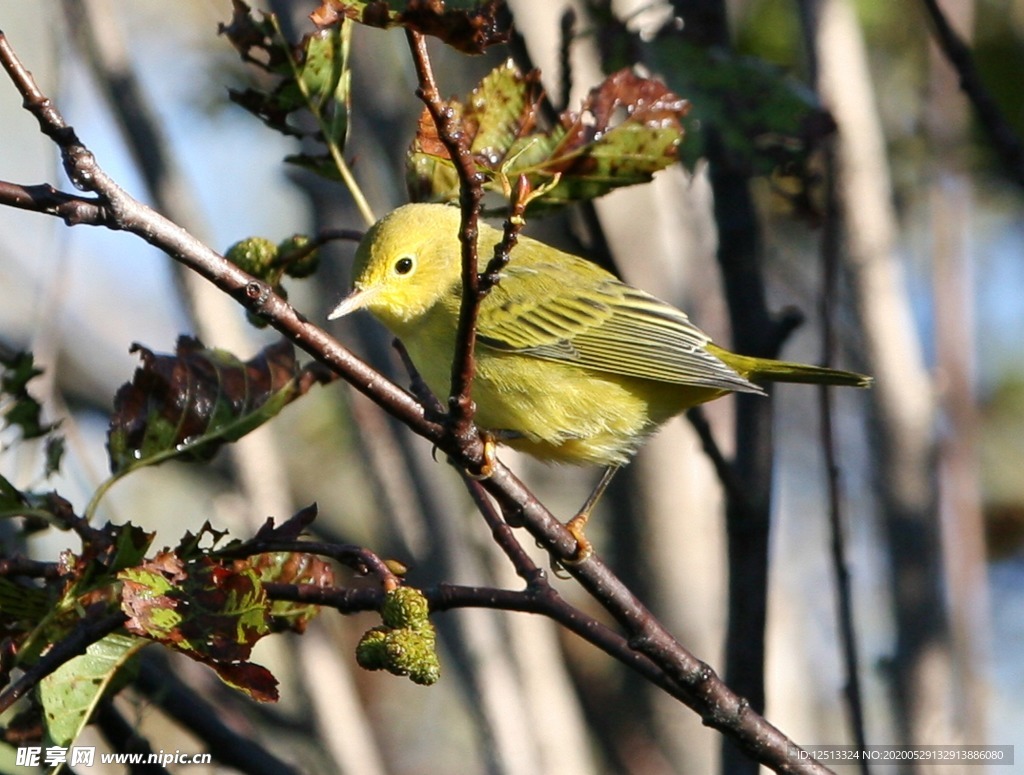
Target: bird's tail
(767,370)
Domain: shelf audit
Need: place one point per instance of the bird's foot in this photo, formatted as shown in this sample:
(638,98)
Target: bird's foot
(584,549)
(490,458)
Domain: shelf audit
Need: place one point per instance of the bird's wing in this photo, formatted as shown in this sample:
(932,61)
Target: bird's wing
(539,309)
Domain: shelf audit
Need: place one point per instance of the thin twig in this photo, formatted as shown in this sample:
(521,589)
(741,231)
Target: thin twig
(540,598)
(510,236)
(1004,139)
(325,237)
(85,633)
(831,240)
(722,465)
(503,536)
(44,198)
(23,566)
(705,693)
(460,401)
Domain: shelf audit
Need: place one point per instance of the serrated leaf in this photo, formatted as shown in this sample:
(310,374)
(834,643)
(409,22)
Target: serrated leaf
(209,612)
(628,128)
(128,547)
(189,548)
(70,693)
(466,25)
(200,608)
(187,405)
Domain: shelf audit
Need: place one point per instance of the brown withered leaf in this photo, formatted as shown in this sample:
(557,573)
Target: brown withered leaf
(187,405)
(211,612)
(628,128)
(255,680)
(470,30)
(289,530)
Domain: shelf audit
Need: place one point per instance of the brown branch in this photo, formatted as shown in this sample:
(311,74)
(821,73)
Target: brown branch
(831,252)
(163,687)
(44,198)
(503,536)
(116,209)
(23,566)
(460,401)
(703,690)
(87,632)
(509,237)
(1004,139)
(541,599)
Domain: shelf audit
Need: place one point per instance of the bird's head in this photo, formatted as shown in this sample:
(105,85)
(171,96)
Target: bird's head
(405,264)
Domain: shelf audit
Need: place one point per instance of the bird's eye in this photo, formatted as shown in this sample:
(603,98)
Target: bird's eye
(403,265)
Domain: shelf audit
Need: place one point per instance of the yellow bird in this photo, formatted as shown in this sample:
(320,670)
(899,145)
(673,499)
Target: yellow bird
(572,364)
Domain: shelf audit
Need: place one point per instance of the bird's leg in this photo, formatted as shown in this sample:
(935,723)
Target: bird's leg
(575,525)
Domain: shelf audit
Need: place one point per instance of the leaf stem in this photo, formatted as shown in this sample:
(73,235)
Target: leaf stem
(332,147)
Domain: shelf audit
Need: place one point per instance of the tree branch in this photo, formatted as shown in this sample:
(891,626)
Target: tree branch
(165,689)
(85,633)
(1005,142)
(460,401)
(831,255)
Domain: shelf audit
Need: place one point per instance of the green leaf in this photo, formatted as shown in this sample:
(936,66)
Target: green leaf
(70,693)
(327,78)
(17,407)
(187,405)
(54,455)
(628,128)
(13,502)
(201,608)
(35,505)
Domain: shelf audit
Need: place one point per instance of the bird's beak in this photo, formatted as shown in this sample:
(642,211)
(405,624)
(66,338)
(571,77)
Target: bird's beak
(355,300)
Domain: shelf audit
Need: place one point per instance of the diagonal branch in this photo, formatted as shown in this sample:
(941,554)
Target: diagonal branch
(85,633)
(1000,132)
